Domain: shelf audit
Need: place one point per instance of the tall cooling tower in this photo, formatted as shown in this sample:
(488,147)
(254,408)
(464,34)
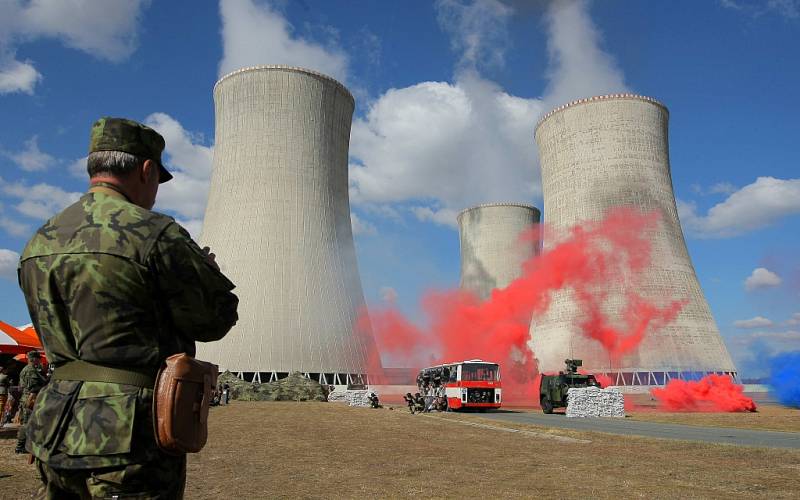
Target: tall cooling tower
(278,219)
(495,240)
(600,153)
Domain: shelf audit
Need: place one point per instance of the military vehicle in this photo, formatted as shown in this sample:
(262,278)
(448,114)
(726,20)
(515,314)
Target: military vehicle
(553,388)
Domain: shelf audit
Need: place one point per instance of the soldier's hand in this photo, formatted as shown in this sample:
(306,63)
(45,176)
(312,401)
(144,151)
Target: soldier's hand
(211,258)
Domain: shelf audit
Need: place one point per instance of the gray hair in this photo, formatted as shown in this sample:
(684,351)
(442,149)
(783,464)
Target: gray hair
(112,162)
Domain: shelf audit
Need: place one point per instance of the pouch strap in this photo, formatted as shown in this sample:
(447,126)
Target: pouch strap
(90,372)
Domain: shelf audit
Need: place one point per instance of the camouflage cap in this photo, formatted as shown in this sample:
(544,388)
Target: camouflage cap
(33,355)
(128,136)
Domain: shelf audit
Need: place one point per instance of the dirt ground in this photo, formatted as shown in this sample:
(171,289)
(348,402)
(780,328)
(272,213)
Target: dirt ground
(328,450)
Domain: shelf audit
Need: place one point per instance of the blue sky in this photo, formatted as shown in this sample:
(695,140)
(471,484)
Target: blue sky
(448,93)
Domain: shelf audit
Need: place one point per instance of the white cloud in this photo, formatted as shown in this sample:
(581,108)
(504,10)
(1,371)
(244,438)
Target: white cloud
(255,33)
(794,320)
(579,67)
(789,9)
(11,226)
(8,264)
(361,226)
(755,206)
(752,351)
(757,322)
(190,163)
(78,168)
(388,294)
(722,188)
(106,29)
(17,76)
(32,159)
(39,201)
(194,226)
(478,30)
(761,278)
(444,146)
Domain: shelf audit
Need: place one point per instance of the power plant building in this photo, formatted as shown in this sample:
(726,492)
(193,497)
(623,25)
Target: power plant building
(603,152)
(495,241)
(278,219)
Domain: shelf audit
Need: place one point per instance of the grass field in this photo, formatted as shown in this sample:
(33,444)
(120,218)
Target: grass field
(327,450)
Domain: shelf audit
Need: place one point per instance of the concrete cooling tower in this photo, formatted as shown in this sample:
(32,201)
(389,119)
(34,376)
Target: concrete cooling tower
(600,153)
(278,219)
(492,252)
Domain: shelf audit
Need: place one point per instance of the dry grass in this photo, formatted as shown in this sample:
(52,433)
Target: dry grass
(768,417)
(325,450)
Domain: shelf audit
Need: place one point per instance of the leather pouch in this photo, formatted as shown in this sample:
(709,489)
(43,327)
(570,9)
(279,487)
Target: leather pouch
(180,403)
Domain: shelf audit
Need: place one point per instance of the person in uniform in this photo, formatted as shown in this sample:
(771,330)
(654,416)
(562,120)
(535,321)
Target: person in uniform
(31,381)
(113,289)
(5,382)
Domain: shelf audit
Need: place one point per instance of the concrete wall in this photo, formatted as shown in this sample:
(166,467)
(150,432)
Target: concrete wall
(603,152)
(278,218)
(491,250)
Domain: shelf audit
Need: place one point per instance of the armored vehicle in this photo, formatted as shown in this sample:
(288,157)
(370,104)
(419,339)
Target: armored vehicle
(553,388)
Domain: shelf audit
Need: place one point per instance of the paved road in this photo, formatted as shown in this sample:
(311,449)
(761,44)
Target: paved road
(628,427)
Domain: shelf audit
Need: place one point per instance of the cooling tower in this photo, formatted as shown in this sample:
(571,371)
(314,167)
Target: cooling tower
(278,219)
(600,153)
(495,240)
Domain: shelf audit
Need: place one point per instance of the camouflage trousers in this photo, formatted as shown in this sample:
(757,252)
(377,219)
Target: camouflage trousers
(25,414)
(163,479)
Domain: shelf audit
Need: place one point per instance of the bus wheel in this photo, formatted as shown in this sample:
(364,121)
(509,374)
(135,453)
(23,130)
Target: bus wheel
(547,406)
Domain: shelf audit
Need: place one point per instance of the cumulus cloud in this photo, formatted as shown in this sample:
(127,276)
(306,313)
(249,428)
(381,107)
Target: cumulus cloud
(794,320)
(31,158)
(11,226)
(78,168)
(190,163)
(255,33)
(757,322)
(762,278)
(440,147)
(752,351)
(8,264)
(17,76)
(38,201)
(75,23)
(361,226)
(753,207)
(449,145)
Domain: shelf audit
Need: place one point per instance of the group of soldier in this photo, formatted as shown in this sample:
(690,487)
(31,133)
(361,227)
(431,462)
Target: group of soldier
(419,404)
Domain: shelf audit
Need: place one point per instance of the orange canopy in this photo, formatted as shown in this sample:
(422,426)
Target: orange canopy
(27,336)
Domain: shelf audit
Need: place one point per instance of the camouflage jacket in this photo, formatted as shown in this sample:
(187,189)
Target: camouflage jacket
(111,283)
(31,379)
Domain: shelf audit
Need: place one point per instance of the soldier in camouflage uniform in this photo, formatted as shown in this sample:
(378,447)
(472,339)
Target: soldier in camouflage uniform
(31,381)
(113,289)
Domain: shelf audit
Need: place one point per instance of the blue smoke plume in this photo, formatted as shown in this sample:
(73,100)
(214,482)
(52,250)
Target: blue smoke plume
(784,380)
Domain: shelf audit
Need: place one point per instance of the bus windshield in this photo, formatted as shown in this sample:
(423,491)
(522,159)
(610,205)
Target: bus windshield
(479,372)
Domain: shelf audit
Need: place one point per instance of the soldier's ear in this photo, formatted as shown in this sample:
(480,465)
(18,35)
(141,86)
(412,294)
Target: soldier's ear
(148,171)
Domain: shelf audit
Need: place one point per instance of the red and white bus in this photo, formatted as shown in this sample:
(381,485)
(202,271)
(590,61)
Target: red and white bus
(467,384)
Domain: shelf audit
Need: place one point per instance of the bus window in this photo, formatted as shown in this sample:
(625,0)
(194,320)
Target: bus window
(478,372)
(453,373)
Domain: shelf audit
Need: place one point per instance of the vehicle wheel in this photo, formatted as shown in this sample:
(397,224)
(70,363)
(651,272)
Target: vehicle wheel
(547,406)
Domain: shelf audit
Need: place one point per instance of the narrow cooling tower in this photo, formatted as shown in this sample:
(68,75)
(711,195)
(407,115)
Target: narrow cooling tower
(600,153)
(495,240)
(278,219)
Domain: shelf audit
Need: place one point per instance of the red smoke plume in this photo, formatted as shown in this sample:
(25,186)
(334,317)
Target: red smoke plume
(460,326)
(711,393)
